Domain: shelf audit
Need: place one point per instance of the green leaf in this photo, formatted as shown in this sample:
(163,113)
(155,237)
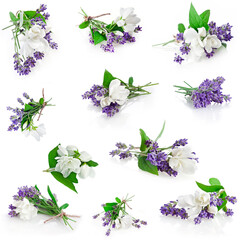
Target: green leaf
(37,188)
(98,37)
(214,181)
(84,25)
(114,28)
(181,28)
(41,101)
(65,181)
(107,78)
(34,14)
(51,195)
(145,165)
(27,107)
(73,177)
(160,134)
(205,16)
(224,45)
(13,17)
(223,206)
(51,157)
(130,81)
(144,138)
(212,188)
(92,163)
(109,206)
(118,200)
(64,206)
(195,20)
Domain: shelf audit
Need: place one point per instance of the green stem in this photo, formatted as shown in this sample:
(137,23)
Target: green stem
(164,44)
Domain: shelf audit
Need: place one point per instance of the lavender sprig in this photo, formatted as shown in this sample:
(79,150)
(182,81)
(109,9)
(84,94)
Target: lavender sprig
(116,216)
(29,201)
(201,205)
(154,159)
(209,91)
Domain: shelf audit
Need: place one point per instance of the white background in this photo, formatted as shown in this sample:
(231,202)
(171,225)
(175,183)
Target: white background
(67,73)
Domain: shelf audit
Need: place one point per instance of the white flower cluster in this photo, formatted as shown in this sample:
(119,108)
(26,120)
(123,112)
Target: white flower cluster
(193,204)
(123,221)
(70,160)
(117,94)
(36,131)
(200,40)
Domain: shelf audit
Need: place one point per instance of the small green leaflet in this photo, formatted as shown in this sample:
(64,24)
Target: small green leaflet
(162,130)
(34,14)
(214,181)
(107,78)
(195,20)
(223,206)
(212,188)
(224,45)
(27,107)
(205,18)
(109,206)
(130,81)
(92,163)
(84,25)
(98,37)
(41,101)
(181,28)
(115,28)
(51,195)
(146,166)
(144,138)
(64,206)
(118,200)
(13,17)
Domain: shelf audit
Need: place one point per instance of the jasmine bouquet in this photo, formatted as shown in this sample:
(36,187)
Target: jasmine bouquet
(114,93)
(119,31)
(65,164)
(29,202)
(32,38)
(115,215)
(200,38)
(208,91)
(23,117)
(201,205)
(154,159)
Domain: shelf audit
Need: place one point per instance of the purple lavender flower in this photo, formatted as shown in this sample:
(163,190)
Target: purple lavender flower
(223,32)
(179,37)
(52,44)
(157,158)
(180,142)
(38,55)
(178,59)
(111,110)
(185,48)
(232,200)
(26,192)
(229,212)
(170,209)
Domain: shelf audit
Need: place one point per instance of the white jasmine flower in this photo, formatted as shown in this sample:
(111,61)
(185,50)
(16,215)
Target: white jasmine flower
(33,41)
(71,150)
(210,42)
(123,221)
(127,20)
(37,132)
(117,93)
(62,151)
(212,209)
(85,171)
(25,209)
(193,204)
(66,165)
(85,157)
(181,160)
(195,38)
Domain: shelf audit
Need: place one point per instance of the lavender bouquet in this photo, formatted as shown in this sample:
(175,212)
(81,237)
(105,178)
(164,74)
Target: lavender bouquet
(115,215)
(114,93)
(23,117)
(154,159)
(32,38)
(208,91)
(201,38)
(65,164)
(119,31)
(201,205)
(29,201)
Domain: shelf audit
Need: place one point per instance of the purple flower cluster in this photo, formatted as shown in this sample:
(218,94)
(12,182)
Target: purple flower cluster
(122,151)
(170,209)
(159,158)
(214,200)
(203,214)
(23,192)
(95,94)
(52,44)
(16,119)
(223,32)
(209,91)
(180,142)
(178,59)
(113,38)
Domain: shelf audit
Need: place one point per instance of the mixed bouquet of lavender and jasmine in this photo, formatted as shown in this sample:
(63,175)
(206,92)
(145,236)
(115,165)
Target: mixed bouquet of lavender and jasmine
(115,215)
(201,205)
(29,201)
(209,91)
(114,93)
(119,31)
(65,164)
(154,159)
(201,38)
(23,117)
(32,38)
